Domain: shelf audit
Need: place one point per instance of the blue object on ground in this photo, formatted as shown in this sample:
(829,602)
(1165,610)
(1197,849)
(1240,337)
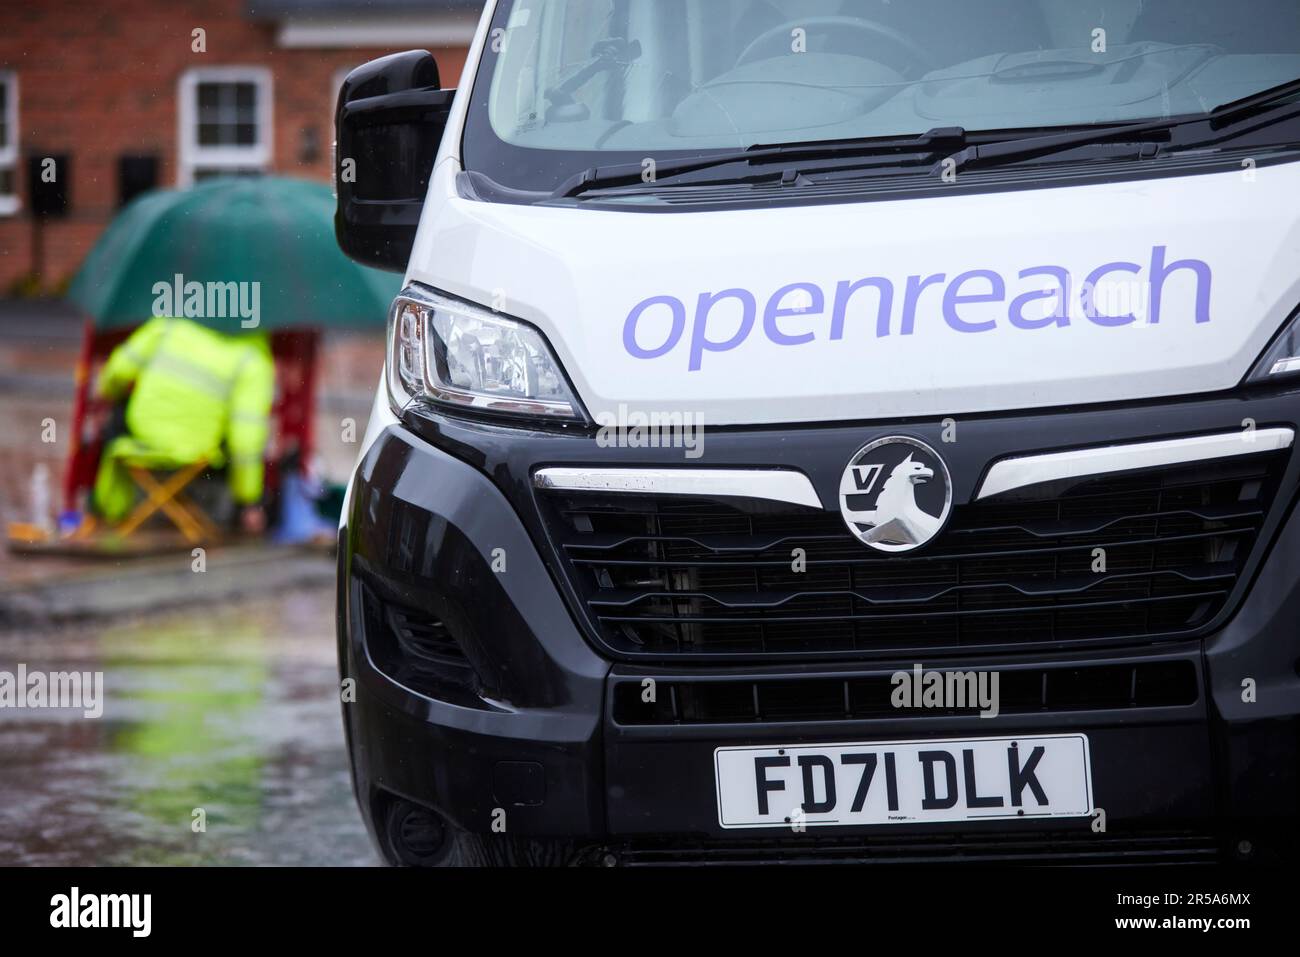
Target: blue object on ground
(299,519)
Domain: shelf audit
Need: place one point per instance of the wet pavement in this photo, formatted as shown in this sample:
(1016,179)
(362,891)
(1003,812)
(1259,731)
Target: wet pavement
(231,709)
(228,704)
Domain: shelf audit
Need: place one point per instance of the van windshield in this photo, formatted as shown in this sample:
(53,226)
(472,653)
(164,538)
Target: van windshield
(566,85)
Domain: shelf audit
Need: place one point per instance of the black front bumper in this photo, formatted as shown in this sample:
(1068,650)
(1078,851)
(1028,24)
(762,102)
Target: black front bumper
(524,732)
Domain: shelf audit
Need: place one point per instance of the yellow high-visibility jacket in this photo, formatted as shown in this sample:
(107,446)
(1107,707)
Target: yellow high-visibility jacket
(198,394)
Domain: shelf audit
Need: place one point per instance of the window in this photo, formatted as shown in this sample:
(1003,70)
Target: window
(135,175)
(225,123)
(577,84)
(8,142)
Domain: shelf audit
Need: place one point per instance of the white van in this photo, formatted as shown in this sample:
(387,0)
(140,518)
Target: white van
(830,429)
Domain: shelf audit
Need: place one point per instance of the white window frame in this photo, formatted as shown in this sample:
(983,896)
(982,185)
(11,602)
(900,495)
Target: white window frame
(191,155)
(10,203)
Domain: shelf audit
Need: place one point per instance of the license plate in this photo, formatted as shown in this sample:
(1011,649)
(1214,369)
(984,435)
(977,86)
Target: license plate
(901,782)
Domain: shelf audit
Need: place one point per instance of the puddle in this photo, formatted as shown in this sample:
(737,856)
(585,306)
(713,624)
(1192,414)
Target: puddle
(232,711)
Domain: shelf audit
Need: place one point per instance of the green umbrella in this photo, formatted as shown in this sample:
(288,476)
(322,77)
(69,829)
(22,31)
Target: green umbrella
(273,232)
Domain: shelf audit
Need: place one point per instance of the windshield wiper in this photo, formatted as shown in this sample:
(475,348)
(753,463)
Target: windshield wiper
(1267,107)
(1119,136)
(1140,138)
(632,174)
(1283,93)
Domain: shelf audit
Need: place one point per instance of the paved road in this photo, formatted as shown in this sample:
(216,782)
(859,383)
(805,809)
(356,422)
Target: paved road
(231,710)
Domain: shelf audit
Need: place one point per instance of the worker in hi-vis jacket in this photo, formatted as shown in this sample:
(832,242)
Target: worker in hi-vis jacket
(199,395)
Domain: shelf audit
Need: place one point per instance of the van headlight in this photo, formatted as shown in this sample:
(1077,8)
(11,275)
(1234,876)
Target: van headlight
(1282,357)
(458,355)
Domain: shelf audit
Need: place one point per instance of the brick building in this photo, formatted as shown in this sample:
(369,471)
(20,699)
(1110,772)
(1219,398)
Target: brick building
(112,97)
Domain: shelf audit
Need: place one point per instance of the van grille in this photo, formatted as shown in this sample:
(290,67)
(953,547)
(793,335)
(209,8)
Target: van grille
(1152,684)
(1116,559)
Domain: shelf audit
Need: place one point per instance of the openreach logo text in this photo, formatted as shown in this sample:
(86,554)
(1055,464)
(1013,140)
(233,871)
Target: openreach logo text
(1112,295)
(79,690)
(75,909)
(182,299)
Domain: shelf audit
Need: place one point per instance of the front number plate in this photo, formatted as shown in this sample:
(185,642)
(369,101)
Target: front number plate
(899,782)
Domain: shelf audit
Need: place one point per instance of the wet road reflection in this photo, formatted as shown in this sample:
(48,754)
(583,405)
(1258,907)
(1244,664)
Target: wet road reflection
(230,710)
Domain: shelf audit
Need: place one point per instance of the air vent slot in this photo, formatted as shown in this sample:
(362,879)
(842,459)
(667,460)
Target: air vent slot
(420,651)
(1152,684)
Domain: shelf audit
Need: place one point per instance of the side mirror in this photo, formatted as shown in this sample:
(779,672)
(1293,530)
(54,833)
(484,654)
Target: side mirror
(388,126)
